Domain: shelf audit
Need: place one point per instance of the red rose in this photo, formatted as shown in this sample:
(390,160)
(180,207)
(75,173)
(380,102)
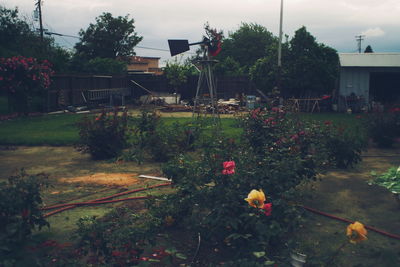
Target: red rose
(267,209)
(229,167)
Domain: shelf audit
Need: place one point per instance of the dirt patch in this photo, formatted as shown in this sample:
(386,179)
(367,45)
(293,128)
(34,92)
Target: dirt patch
(109,179)
(64,162)
(347,194)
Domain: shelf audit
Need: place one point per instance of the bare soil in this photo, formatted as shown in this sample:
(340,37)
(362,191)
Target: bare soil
(343,193)
(347,194)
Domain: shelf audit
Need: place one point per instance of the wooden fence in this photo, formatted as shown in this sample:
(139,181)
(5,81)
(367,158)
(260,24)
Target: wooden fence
(70,90)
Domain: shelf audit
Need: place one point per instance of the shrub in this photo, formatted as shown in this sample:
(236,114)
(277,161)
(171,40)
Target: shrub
(274,155)
(20,209)
(384,127)
(161,142)
(117,239)
(343,145)
(104,136)
(22,78)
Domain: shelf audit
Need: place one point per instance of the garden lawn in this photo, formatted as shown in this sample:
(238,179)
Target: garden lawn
(43,130)
(3,105)
(62,130)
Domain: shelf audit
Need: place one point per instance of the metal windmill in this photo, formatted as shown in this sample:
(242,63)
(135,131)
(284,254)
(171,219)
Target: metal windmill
(206,91)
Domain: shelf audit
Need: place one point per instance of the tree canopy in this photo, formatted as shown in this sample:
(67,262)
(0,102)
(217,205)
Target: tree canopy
(368,49)
(245,46)
(109,37)
(308,67)
(18,38)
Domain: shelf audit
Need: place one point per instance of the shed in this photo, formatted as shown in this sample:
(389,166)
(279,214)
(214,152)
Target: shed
(369,77)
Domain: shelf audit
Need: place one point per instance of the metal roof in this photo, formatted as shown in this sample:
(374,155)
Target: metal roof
(369,59)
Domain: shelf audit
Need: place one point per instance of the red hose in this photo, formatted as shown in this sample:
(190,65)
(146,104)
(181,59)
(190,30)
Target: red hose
(100,200)
(74,205)
(348,221)
(103,201)
(112,196)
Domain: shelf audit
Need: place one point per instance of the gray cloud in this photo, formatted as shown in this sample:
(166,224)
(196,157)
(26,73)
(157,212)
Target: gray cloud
(334,23)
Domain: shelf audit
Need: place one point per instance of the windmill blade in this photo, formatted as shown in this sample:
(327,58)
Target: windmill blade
(178,46)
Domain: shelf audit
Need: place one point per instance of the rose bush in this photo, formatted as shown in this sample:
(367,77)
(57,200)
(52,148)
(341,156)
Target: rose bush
(103,136)
(22,78)
(20,210)
(274,154)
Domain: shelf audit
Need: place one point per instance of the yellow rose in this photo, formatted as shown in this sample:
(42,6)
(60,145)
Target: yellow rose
(256,198)
(356,232)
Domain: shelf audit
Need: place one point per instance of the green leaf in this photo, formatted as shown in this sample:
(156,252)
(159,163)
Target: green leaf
(269,263)
(259,254)
(180,256)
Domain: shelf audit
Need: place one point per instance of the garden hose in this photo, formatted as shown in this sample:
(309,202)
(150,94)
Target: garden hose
(102,200)
(105,200)
(348,221)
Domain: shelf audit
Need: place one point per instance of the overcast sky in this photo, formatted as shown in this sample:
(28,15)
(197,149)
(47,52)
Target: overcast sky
(333,22)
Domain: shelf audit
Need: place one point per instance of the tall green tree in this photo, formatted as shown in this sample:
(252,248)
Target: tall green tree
(109,37)
(308,67)
(368,49)
(246,45)
(17,38)
(264,72)
(177,73)
(312,68)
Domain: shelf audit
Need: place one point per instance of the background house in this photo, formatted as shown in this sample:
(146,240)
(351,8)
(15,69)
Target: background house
(144,65)
(367,78)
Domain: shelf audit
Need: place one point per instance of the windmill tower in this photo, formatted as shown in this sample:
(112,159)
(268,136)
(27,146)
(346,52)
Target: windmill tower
(205,101)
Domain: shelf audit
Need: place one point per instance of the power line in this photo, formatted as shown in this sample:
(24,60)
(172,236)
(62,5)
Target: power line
(138,46)
(152,48)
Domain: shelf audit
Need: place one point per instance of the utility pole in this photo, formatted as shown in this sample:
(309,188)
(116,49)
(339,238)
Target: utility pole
(280,49)
(39,7)
(280,37)
(359,39)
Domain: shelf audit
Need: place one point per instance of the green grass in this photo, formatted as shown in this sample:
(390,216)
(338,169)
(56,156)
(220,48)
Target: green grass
(44,130)
(62,130)
(3,105)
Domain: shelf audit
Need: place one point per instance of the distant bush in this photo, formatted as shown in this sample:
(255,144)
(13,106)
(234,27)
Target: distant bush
(343,145)
(152,138)
(20,210)
(104,136)
(105,66)
(384,127)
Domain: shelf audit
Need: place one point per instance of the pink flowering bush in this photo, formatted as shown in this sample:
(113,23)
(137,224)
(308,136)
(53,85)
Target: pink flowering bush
(22,78)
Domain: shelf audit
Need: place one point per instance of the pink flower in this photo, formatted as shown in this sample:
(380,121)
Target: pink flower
(267,209)
(229,167)
(327,122)
(117,253)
